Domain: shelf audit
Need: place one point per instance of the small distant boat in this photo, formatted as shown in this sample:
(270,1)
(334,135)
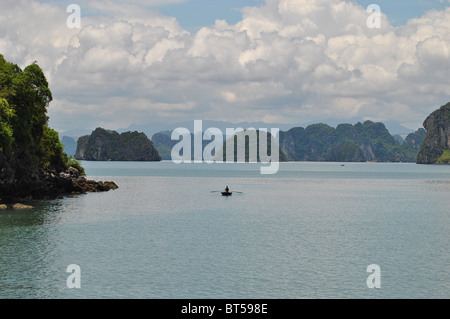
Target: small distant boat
(226,192)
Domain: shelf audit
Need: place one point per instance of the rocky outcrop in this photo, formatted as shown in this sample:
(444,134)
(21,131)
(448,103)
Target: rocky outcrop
(164,144)
(361,142)
(437,140)
(33,164)
(82,185)
(104,145)
(49,185)
(416,139)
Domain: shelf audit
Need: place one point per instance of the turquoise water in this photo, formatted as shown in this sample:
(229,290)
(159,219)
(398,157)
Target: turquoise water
(309,231)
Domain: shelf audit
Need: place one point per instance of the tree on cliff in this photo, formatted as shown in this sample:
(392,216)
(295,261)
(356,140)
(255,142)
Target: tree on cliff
(6,132)
(32,157)
(24,133)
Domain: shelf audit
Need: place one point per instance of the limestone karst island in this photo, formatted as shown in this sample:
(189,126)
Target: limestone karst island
(33,164)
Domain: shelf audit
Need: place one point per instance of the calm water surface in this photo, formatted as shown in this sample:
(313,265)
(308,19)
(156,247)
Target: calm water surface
(309,231)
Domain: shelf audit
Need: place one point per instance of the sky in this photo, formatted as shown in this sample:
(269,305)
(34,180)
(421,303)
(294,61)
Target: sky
(292,62)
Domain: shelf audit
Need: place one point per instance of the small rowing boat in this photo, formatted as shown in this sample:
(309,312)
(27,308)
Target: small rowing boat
(227,193)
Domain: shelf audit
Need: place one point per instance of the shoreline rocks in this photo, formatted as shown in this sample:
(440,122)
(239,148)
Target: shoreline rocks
(16,206)
(50,186)
(82,185)
(19,206)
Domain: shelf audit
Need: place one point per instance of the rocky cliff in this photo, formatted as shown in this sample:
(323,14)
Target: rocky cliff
(33,164)
(104,145)
(164,144)
(437,141)
(21,182)
(416,139)
(361,142)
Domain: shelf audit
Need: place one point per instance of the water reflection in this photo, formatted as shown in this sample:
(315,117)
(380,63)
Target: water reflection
(28,247)
(44,212)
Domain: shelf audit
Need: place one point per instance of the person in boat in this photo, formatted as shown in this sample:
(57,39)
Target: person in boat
(227,190)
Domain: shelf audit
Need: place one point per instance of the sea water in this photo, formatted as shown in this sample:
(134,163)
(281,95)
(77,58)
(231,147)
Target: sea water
(309,231)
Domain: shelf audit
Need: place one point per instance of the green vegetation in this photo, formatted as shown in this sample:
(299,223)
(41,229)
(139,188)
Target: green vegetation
(164,144)
(368,141)
(246,154)
(6,131)
(105,145)
(445,158)
(434,148)
(362,142)
(72,162)
(51,151)
(25,138)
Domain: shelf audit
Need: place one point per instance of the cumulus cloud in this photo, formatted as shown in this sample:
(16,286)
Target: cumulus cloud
(291,61)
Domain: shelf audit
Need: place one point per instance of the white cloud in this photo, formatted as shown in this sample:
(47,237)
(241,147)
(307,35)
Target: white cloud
(292,61)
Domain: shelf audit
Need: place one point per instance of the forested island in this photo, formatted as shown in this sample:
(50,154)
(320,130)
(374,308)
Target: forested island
(362,142)
(33,164)
(105,145)
(436,147)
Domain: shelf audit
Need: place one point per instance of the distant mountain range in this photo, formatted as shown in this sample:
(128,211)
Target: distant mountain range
(368,141)
(361,142)
(70,145)
(154,128)
(151,129)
